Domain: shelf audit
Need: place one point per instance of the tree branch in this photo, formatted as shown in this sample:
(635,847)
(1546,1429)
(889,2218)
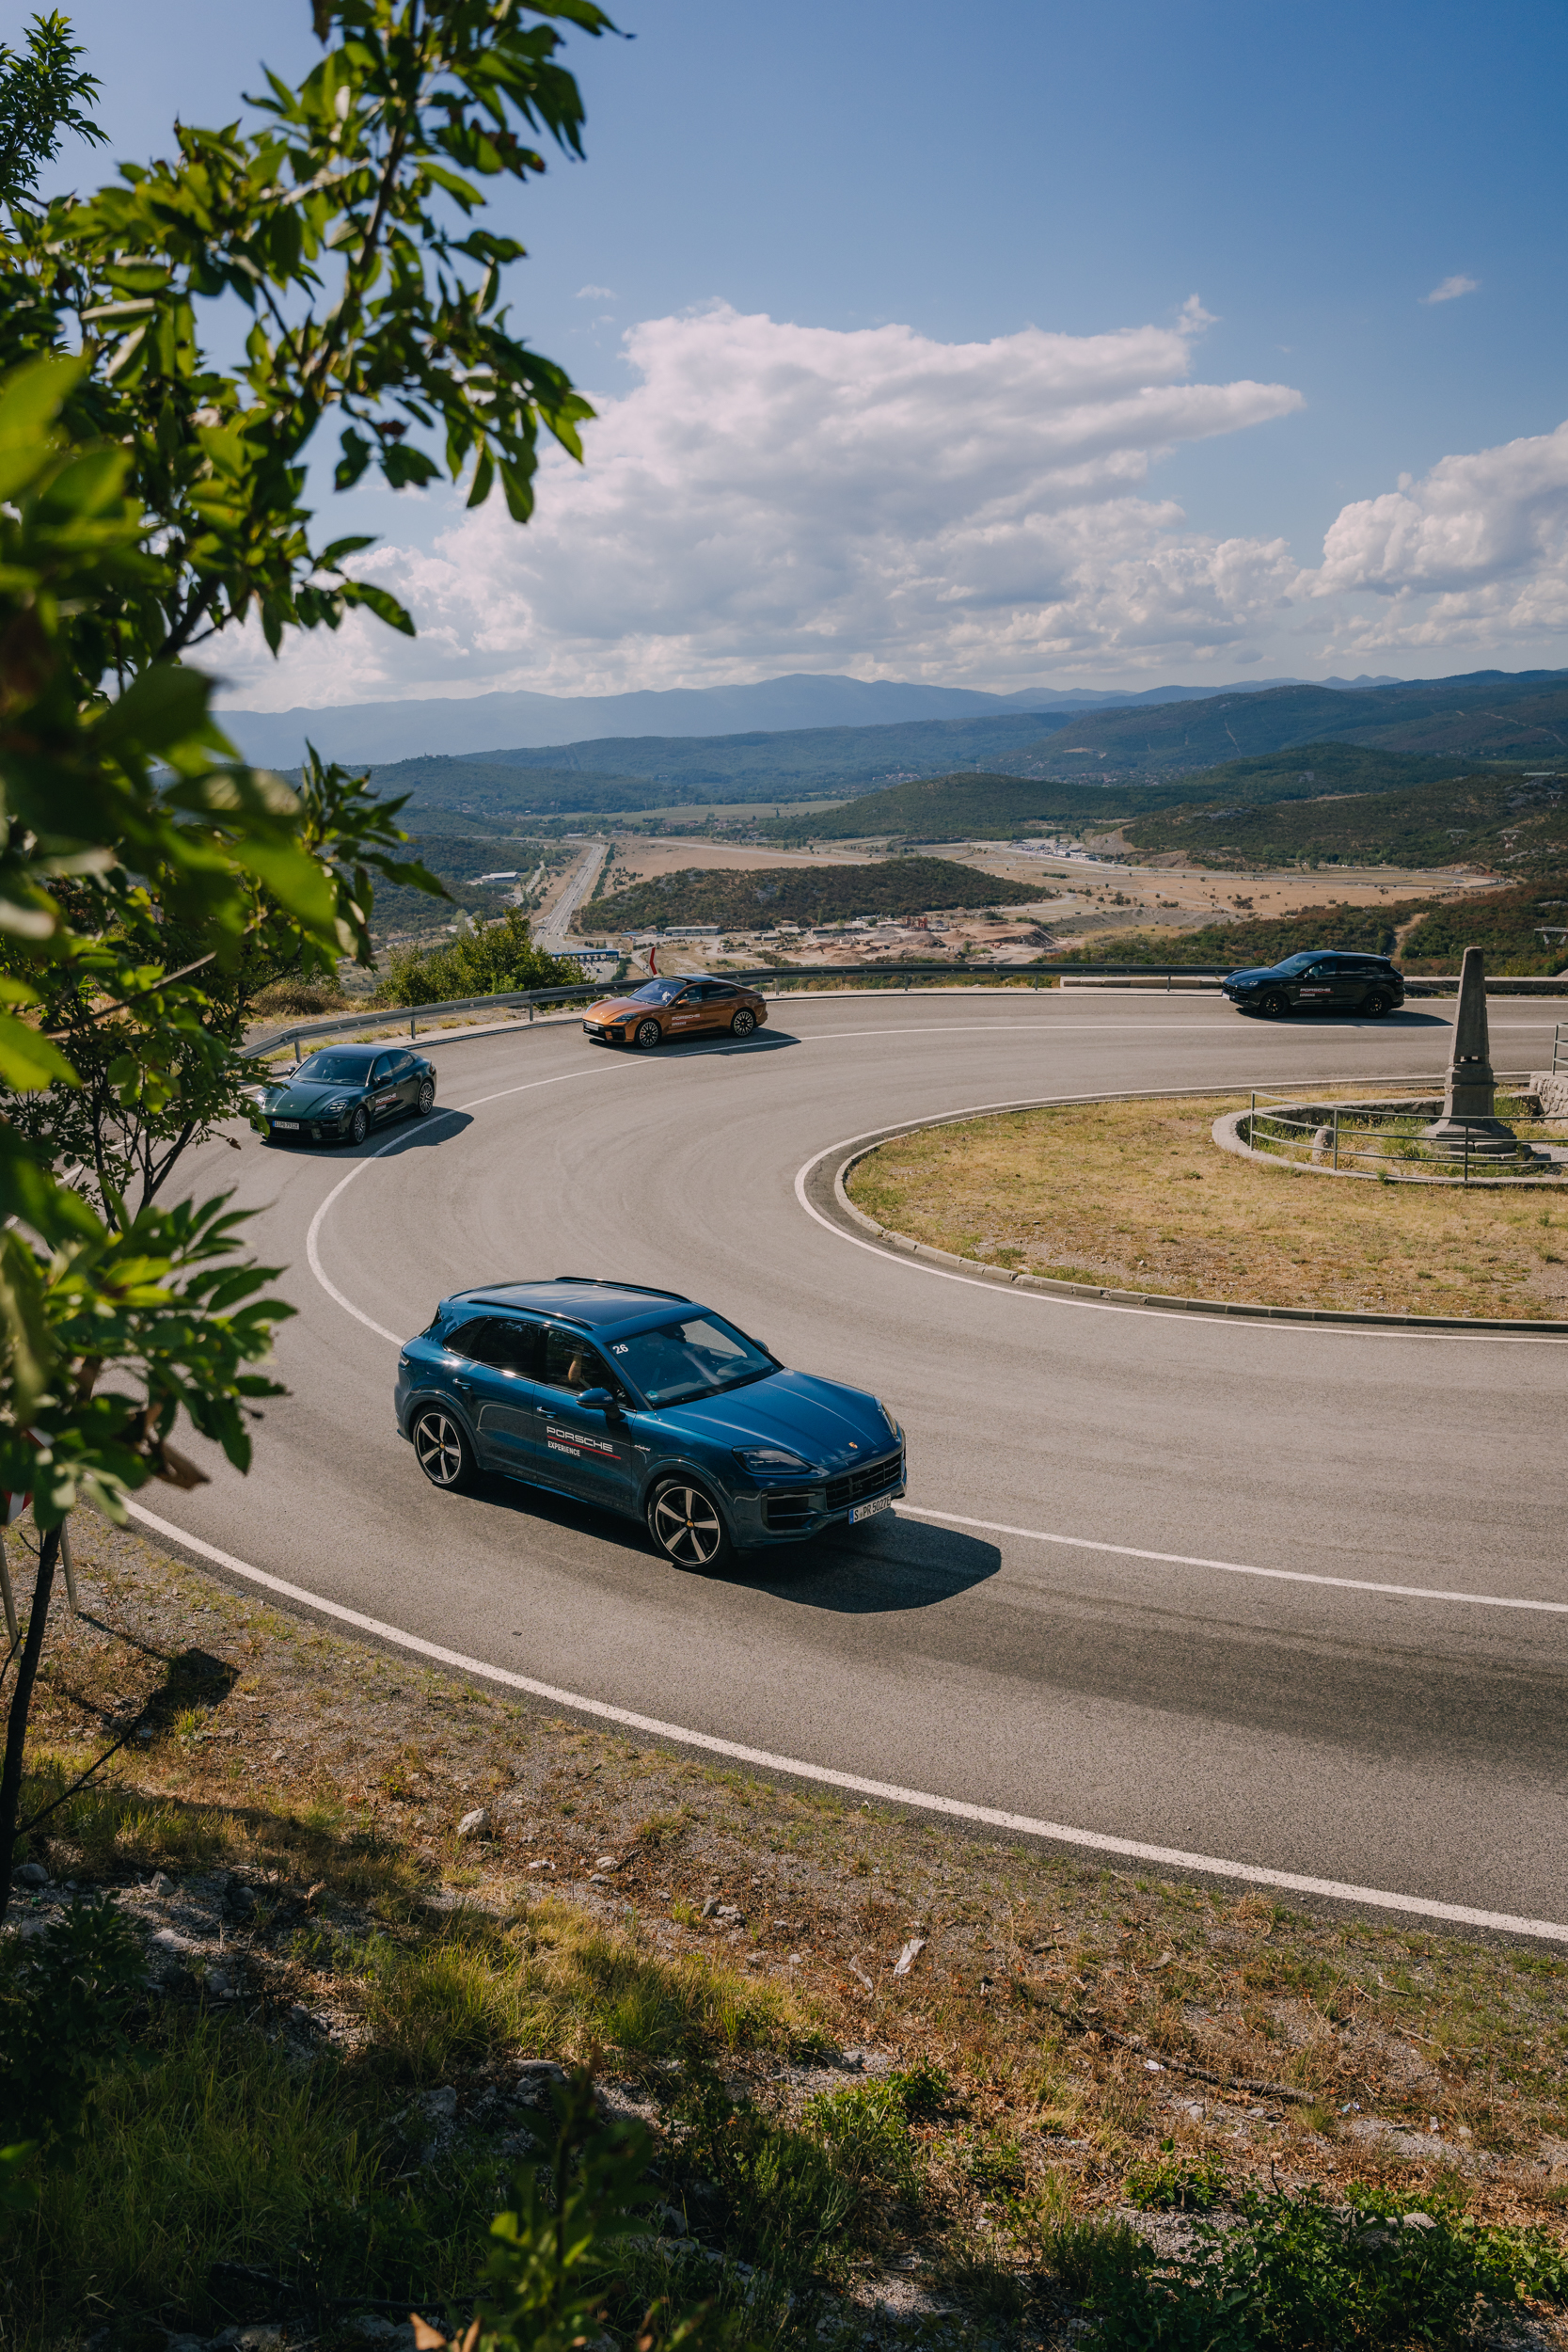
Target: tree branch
(16,1720)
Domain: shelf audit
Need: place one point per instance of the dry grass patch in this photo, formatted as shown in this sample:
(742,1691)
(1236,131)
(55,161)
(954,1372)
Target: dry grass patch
(1136,1195)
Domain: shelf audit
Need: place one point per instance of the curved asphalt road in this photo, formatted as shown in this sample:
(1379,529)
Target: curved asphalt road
(1411,1743)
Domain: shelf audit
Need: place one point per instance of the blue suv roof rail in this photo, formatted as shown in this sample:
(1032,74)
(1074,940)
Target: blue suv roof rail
(642,1290)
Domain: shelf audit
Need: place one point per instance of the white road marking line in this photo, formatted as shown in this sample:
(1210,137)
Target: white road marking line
(313,1251)
(886,1793)
(1237,1567)
(1110,1306)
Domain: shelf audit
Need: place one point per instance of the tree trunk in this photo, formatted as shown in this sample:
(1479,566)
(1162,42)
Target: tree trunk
(16,1721)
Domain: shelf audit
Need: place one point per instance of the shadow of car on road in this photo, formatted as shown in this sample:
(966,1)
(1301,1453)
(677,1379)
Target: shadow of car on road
(419,1134)
(893,1565)
(768,1041)
(890,1565)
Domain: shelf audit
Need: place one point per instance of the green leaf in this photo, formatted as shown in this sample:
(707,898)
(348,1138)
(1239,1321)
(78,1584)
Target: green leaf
(384,606)
(164,706)
(30,1061)
(30,401)
(296,881)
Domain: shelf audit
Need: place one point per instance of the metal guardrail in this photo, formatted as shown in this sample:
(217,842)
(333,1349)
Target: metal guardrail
(784,977)
(1358,1131)
(787,978)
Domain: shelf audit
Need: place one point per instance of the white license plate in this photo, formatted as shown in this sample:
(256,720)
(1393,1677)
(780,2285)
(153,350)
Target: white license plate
(286,1123)
(869,1510)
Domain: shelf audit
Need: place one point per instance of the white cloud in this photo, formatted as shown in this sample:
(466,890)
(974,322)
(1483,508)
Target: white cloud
(1475,552)
(596,293)
(1451,287)
(769,496)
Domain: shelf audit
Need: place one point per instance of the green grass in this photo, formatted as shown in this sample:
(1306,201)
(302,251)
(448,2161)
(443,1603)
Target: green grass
(1173,2184)
(213,2148)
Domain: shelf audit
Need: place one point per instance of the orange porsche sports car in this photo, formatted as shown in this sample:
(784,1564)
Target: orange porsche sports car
(675,1007)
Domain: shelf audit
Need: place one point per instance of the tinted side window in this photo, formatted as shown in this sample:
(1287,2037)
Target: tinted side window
(505,1345)
(381,1070)
(401,1065)
(469,1340)
(573,1362)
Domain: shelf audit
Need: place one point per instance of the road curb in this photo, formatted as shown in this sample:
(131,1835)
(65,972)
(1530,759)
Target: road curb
(830,1197)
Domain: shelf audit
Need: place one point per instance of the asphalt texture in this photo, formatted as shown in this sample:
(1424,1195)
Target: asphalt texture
(1412,1741)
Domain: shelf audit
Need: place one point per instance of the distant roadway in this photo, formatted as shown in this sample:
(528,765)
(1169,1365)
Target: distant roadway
(553,930)
(1252,1701)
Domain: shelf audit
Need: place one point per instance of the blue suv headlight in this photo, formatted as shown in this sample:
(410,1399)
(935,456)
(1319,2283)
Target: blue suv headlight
(892,1421)
(772,1461)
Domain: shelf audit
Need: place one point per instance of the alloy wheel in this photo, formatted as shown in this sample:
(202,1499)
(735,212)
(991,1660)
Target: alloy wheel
(686,1526)
(439,1449)
(648,1035)
(427,1098)
(744,1023)
(358,1127)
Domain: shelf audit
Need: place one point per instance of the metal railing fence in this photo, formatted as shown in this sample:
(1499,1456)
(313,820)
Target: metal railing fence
(783,979)
(786,979)
(1386,1129)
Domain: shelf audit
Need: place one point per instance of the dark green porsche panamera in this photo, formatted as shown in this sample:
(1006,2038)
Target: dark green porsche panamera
(338,1095)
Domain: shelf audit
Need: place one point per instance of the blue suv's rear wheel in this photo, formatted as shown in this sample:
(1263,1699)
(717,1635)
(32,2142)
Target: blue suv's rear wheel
(687,1525)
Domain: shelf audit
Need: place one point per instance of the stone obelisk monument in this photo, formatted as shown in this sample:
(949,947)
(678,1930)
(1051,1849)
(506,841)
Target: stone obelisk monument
(1469,1120)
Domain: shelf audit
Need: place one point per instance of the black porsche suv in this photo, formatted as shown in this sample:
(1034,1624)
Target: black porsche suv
(1322,979)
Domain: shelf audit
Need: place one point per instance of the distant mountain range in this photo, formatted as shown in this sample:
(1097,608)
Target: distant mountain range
(1485,714)
(484,723)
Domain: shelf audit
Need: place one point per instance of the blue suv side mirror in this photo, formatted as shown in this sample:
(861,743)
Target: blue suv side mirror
(596,1400)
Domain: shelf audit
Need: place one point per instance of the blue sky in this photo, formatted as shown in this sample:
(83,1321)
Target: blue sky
(830,174)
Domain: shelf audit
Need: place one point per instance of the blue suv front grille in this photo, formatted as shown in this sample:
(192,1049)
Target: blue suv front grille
(857,1485)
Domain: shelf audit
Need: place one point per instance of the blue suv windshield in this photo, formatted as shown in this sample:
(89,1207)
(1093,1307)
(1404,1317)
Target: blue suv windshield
(697,1356)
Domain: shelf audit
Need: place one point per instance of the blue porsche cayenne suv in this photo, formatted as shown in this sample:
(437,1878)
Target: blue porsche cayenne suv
(646,1404)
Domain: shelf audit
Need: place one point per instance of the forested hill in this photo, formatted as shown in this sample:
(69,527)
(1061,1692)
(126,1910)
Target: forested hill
(1513,927)
(985,807)
(1486,820)
(1462,720)
(1489,715)
(805,894)
(677,771)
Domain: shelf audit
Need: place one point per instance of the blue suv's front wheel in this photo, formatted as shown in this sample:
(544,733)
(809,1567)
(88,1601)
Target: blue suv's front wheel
(687,1525)
(442,1450)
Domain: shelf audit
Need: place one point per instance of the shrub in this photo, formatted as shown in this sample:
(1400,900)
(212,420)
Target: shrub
(1093,2260)
(490,960)
(1303,2273)
(63,2000)
(1169,2183)
(784,2204)
(295,998)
